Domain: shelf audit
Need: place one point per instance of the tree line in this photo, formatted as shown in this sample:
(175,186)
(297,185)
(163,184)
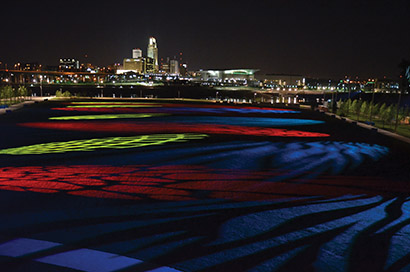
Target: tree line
(63,94)
(10,95)
(369,111)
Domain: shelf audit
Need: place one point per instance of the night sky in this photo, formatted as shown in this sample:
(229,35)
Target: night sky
(312,38)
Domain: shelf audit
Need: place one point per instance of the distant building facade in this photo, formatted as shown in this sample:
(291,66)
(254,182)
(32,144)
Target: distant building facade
(69,64)
(173,67)
(136,65)
(136,53)
(150,67)
(32,66)
(152,52)
(183,69)
(282,80)
(385,86)
(227,75)
(164,68)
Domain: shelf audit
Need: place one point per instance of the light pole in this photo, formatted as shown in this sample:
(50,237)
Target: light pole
(41,85)
(398,105)
(348,100)
(371,107)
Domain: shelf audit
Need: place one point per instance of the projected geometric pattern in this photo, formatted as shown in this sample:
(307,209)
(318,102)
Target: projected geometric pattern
(175,108)
(115,106)
(112,103)
(296,159)
(243,121)
(217,120)
(181,182)
(194,106)
(104,143)
(165,127)
(230,203)
(107,116)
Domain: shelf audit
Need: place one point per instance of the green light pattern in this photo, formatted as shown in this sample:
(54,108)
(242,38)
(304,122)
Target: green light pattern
(117,106)
(102,143)
(107,116)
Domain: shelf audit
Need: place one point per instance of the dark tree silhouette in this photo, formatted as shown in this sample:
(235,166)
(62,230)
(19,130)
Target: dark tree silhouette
(404,66)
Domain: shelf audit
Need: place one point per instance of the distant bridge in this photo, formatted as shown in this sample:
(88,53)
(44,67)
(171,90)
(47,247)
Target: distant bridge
(35,77)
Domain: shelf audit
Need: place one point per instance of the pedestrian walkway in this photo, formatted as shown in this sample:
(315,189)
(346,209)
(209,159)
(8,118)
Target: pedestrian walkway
(370,127)
(80,259)
(22,104)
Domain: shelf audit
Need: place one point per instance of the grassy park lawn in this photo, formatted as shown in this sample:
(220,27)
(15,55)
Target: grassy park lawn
(402,129)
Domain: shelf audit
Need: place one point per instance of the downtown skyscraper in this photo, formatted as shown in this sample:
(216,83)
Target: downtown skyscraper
(152,52)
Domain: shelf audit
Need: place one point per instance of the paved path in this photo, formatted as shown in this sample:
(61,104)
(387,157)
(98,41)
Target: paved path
(185,186)
(379,130)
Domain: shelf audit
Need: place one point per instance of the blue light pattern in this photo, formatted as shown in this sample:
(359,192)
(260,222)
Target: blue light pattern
(225,110)
(239,121)
(327,235)
(299,159)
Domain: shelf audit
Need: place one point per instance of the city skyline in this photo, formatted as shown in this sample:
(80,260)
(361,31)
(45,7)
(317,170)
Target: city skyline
(316,39)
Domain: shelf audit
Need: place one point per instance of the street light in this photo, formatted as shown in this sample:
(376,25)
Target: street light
(41,85)
(371,107)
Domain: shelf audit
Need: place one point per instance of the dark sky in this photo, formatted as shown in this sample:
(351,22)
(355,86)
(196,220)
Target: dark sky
(314,38)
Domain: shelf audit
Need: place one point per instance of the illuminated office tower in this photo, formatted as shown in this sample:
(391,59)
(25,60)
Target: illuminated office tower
(153,52)
(136,65)
(173,67)
(136,53)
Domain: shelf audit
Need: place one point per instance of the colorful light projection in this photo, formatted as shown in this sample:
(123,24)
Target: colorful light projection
(172,110)
(177,108)
(305,160)
(103,143)
(243,121)
(111,103)
(175,105)
(184,182)
(219,120)
(115,106)
(164,127)
(234,110)
(108,116)
(334,157)
(238,109)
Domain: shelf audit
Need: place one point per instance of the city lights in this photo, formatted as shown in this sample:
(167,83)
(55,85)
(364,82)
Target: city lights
(171,136)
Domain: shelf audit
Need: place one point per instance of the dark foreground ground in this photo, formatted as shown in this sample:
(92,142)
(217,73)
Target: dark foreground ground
(184,186)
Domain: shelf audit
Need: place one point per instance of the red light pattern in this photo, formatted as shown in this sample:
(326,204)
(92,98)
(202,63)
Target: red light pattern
(110,103)
(183,182)
(110,110)
(162,127)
